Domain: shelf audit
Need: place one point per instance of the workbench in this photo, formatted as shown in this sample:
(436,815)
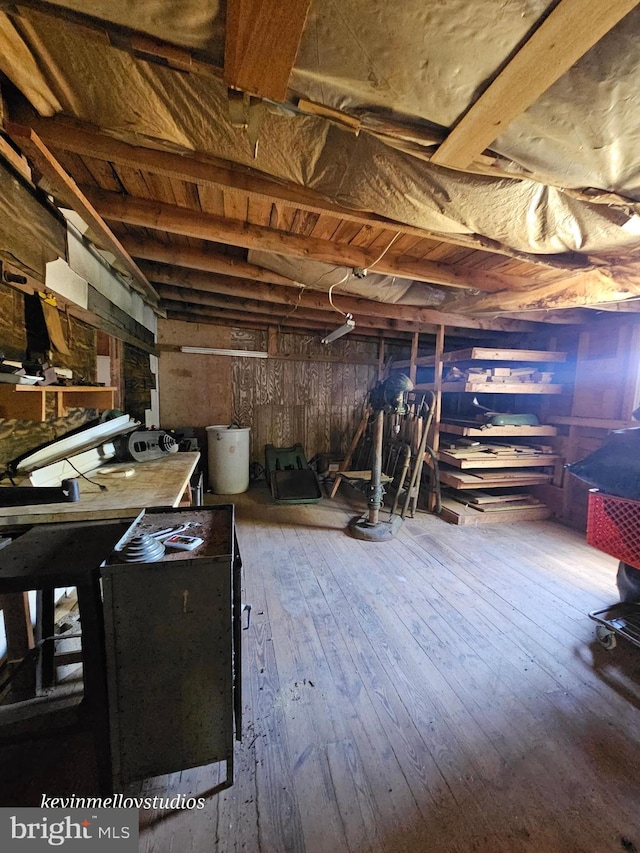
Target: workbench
(161,482)
(158,483)
(161,681)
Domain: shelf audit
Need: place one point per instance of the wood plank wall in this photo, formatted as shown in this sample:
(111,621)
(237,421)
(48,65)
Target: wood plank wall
(299,397)
(18,436)
(606,389)
(303,392)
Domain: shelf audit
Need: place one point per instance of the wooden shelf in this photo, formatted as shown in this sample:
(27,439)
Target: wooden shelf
(490,432)
(486,460)
(501,388)
(29,402)
(593,423)
(490,354)
(494,388)
(457,513)
(493,479)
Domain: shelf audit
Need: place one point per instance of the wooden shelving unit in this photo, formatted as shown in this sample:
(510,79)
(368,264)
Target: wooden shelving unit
(498,431)
(474,472)
(29,402)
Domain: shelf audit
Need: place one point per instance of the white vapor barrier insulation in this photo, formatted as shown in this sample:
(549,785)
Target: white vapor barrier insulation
(416,63)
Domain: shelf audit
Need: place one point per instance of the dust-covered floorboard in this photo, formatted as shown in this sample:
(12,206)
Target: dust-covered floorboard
(438,692)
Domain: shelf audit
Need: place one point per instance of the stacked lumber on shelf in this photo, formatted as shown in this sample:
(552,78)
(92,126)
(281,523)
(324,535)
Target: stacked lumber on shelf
(504,375)
(491,510)
(467,453)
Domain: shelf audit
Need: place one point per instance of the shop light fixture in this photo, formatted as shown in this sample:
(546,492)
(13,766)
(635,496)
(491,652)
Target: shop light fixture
(348,326)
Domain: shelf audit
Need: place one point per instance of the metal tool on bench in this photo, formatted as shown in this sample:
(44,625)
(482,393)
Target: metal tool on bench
(145,445)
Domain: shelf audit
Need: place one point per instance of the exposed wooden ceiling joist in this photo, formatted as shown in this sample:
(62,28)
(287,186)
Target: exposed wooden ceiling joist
(261,42)
(224,317)
(205,226)
(319,319)
(66,190)
(59,133)
(566,34)
(316,321)
(196,259)
(226,286)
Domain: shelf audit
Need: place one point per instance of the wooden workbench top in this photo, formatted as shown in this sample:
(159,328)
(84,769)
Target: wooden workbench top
(161,482)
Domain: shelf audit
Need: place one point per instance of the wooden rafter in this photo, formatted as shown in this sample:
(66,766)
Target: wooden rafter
(205,226)
(86,141)
(246,309)
(225,286)
(566,34)
(66,190)
(242,319)
(196,259)
(261,43)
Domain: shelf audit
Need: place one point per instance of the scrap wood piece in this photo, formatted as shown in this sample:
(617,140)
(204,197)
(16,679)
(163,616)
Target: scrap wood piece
(261,43)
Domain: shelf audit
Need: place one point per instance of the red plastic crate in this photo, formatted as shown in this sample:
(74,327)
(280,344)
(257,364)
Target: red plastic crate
(613,526)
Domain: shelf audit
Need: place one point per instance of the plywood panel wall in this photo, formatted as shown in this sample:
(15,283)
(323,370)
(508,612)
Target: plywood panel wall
(288,401)
(195,390)
(303,393)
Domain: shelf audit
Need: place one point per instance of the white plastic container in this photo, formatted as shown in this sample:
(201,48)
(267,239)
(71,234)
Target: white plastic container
(228,459)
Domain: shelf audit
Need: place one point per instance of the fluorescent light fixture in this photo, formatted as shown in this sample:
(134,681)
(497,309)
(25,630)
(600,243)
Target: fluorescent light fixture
(348,326)
(244,353)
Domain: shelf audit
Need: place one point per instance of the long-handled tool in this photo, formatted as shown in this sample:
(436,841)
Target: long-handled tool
(414,484)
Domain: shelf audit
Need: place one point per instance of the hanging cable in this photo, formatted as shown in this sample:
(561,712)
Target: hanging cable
(381,256)
(342,281)
(101,486)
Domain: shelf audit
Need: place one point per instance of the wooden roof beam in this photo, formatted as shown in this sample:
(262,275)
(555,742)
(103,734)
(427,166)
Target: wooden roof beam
(322,320)
(206,226)
(594,288)
(58,132)
(66,190)
(565,35)
(206,283)
(225,317)
(138,44)
(261,42)
(205,261)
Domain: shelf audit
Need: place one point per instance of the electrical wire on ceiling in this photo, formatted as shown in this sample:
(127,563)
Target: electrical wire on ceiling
(381,256)
(303,287)
(343,280)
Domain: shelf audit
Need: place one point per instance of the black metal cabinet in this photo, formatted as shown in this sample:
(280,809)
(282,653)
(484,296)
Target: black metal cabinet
(172,630)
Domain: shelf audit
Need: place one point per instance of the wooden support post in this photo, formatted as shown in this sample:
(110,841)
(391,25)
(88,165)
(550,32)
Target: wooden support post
(381,360)
(272,346)
(434,431)
(413,369)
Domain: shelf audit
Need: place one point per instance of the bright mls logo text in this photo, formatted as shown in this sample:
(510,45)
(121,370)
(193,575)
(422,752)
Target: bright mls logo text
(35,829)
(57,832)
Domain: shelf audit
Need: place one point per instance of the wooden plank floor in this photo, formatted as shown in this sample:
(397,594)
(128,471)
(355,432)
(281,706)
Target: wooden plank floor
(439,692)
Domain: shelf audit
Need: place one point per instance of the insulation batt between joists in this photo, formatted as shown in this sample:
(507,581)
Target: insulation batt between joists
(187,112)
